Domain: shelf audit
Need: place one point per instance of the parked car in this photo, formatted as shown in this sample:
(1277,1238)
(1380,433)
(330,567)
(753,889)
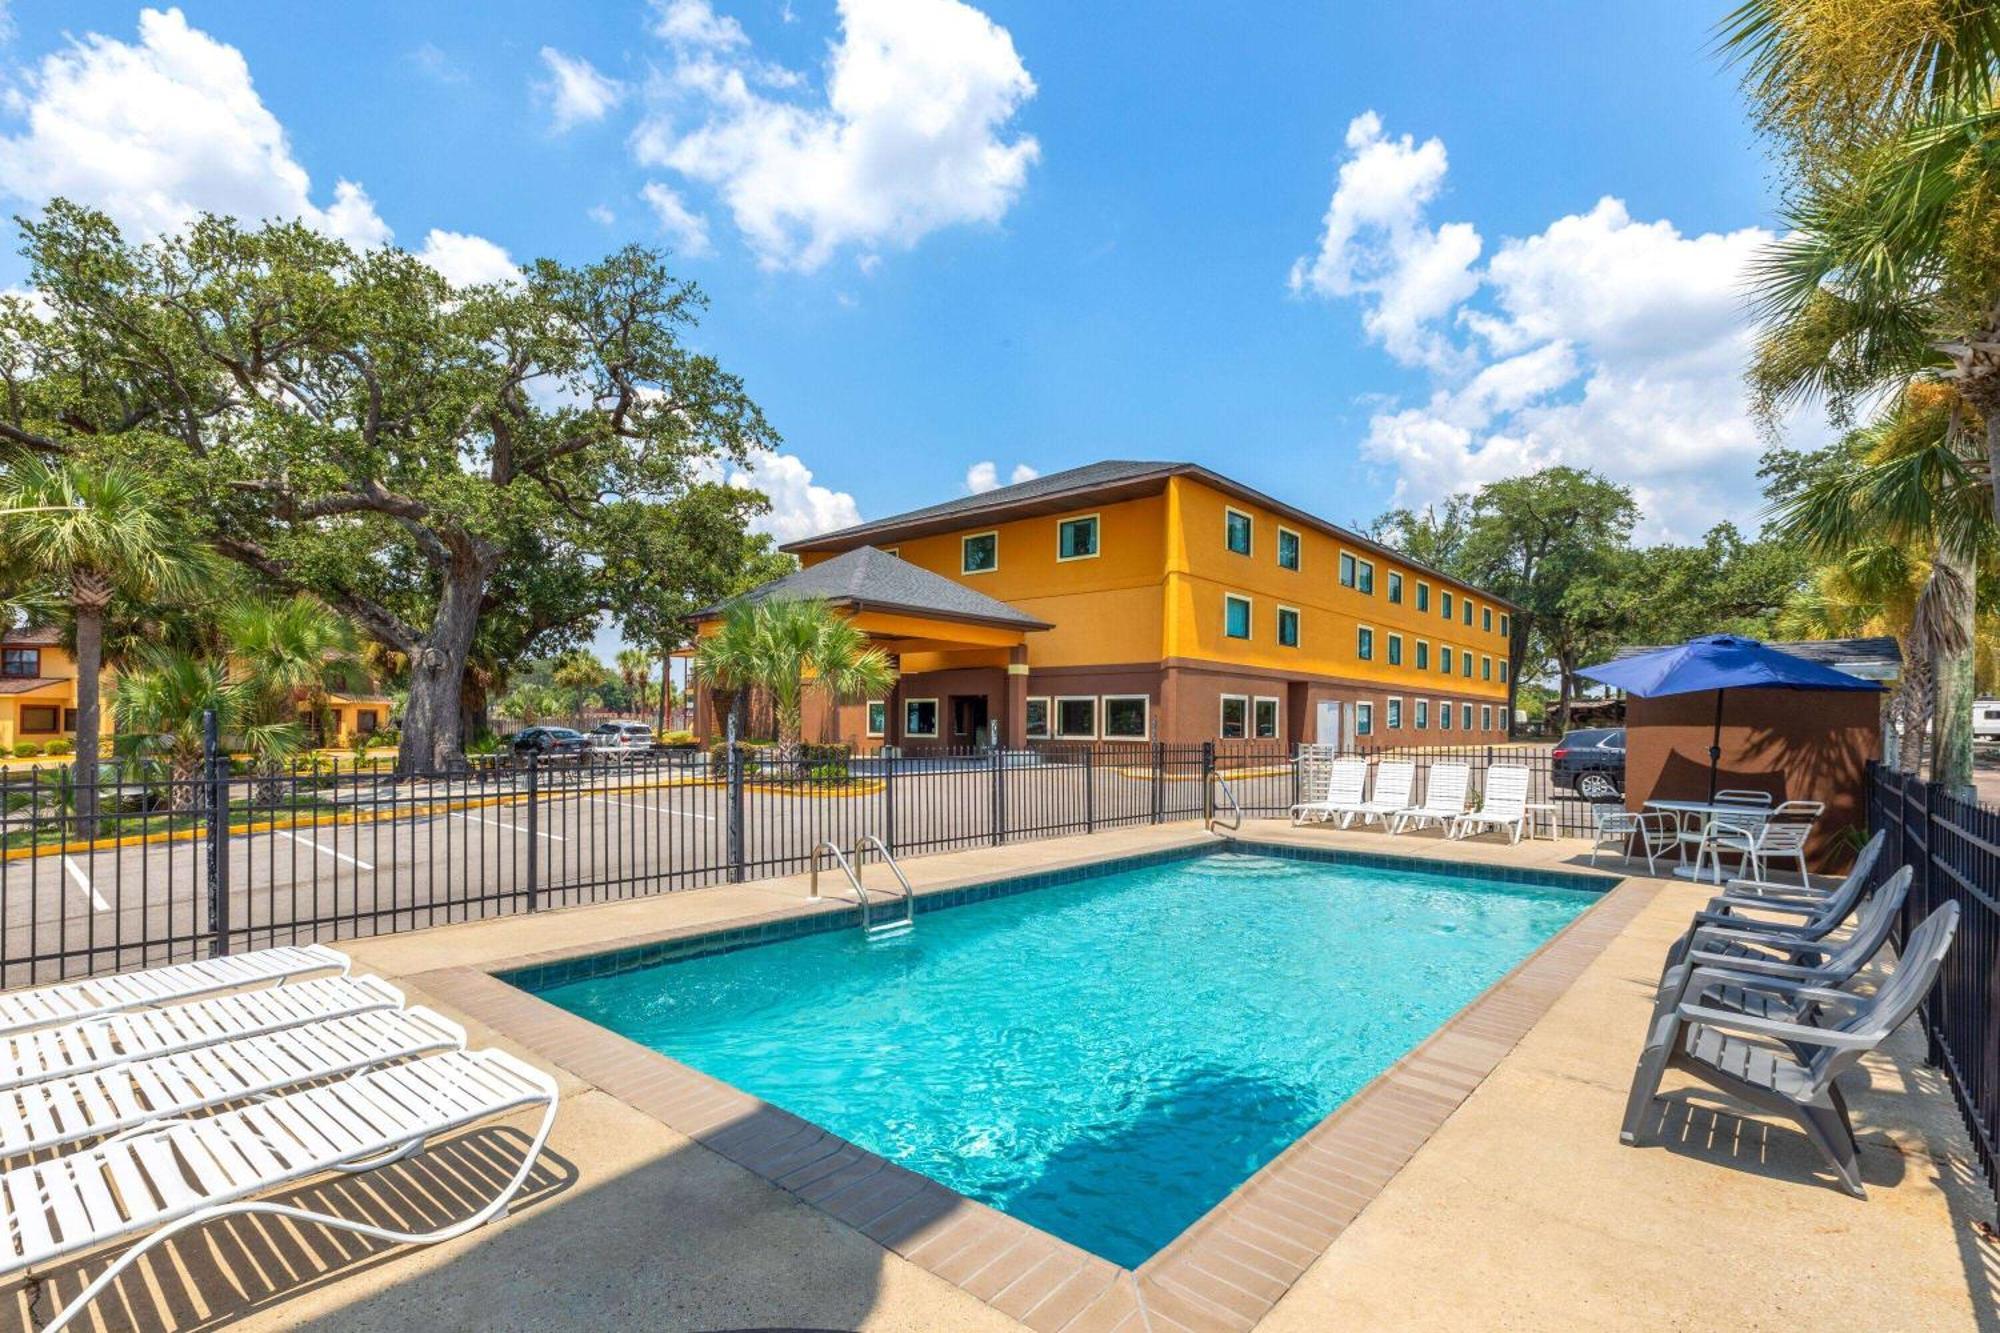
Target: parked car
(1986,721)
(1590,763)
(550,742)
(620,740)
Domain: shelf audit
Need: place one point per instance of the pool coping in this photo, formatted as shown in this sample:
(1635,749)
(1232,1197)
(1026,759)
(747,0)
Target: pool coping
(1227,1270)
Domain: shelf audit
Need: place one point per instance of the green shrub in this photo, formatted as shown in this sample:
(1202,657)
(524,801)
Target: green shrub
(831,772)
(26,749)
(678,739)
(58,746)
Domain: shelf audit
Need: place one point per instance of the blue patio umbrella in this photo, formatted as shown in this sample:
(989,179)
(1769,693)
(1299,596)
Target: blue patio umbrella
(1719,662)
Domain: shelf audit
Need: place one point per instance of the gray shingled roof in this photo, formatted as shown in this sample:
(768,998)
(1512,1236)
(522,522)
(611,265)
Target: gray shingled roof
(1056,483)
(865,578)
(1878,652)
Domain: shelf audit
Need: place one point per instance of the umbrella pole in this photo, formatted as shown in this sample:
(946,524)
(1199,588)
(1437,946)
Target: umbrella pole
(1715,746)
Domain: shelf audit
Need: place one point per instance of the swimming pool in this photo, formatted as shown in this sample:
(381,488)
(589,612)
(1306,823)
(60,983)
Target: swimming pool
(1108,1058)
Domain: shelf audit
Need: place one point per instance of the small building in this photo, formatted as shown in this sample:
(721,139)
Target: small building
(38,688)
(1149,601)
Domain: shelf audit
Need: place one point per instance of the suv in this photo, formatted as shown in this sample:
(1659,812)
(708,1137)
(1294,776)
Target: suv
(621,740)
(551,741)
(1590,763)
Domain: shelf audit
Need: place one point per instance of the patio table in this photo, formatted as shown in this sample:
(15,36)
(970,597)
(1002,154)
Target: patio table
(1704,813)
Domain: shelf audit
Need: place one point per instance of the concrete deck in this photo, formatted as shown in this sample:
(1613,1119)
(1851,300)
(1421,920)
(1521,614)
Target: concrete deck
(1509,1202)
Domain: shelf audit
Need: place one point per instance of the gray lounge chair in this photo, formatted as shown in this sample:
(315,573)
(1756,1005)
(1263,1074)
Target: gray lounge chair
(1808,921)
(1786,1067)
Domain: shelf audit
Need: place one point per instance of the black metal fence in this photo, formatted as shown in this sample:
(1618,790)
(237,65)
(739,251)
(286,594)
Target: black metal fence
(1953,850)
(218,856)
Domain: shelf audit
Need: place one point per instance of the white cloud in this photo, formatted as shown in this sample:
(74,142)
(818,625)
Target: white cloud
(687,229)
(984,476)
(466,260)
(157,132)
(1602,341)
(576,92)
(799,508)
(601,215)
(431,60)
(911,136)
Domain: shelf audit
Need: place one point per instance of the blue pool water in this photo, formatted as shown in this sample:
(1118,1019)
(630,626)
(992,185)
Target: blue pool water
(1105,1059)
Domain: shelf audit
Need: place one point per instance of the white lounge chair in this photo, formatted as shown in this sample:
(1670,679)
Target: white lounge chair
(1314,762)
(121,1096)
(1444,799)
(67,1001)
(171,1175)
(1395,779)
(1503,805)
(109,1039)
(1345,781)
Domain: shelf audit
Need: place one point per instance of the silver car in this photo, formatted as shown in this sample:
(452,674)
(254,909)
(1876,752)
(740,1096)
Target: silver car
(621,740)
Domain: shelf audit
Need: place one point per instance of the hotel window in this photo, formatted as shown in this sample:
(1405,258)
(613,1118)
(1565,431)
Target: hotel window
(1364,719)
(920,717)
(1235,717)
(1288,549)
(1235,616)
(1486,668)
(21,662)
(1395,650)
(979,553)
(1076,538)
(1423,656)
(1503,673)
(1423,597)
(1395,716)
(1465,716)
(878,717)
(1264,719)
(366,720)
(1076,718)
(1444,602)
(1486,619)
(1503,624)
(1236,525)
(35,717)
(1468,610)
(1288,627)
(1466,658)
(1423,714)
(1125,717)
(1346,570)
(1444,715)
(1444,659)
(1486,717)
(1364,578)
(1364,644)
(1395,588)
(1038,719)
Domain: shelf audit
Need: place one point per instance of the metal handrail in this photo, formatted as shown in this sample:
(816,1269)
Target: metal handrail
(909,894)
(1236,809)
(840,859)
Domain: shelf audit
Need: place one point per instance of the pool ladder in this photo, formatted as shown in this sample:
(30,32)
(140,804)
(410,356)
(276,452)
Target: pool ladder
(872,928)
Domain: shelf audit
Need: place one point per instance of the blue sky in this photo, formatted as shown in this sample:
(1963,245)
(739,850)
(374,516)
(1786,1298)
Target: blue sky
(938,235)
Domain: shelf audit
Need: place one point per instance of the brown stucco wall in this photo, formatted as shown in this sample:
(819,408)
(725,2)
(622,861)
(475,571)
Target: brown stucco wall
(1798,745)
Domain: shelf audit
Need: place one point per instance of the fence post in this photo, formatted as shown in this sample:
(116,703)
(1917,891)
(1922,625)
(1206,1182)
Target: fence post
(1207,782)
(215,771)
(1090,790)
(734,758)
(889,762)
(999,797)
(534,831)
(1159,777)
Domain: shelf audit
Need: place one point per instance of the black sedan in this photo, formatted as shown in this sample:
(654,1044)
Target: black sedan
(551,741)
(1590,763)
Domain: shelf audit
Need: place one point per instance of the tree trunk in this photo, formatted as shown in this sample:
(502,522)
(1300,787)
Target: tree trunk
(433,741)
(660,731)
(89,668)
(1951,680)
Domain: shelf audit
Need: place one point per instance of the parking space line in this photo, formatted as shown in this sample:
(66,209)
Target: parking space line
(650,809)
(327,851)
(83,882)
(514,828)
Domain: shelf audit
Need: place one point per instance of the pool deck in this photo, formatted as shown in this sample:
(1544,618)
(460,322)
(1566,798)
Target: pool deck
(1479,1183)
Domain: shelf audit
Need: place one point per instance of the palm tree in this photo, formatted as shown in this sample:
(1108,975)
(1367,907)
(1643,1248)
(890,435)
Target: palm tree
(634,666)
(578,672)
(96,535)
(787,648)
(290,651)
(161,706)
